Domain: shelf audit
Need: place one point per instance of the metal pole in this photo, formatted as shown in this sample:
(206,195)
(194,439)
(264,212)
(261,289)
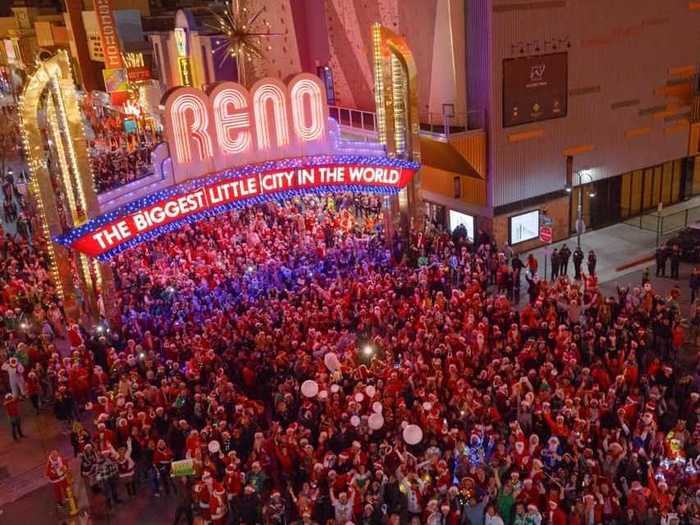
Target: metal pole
(579,214)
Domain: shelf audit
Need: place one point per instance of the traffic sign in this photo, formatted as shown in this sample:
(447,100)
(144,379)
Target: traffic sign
(546,234)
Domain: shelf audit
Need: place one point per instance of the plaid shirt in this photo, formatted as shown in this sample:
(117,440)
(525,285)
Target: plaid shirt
(107,469)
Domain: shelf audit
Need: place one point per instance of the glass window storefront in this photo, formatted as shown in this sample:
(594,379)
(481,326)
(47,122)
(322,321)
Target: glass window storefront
(435,214)
(636,192)
(444,218)
(457,218)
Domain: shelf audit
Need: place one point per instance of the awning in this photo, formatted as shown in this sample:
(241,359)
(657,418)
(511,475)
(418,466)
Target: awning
(443,156)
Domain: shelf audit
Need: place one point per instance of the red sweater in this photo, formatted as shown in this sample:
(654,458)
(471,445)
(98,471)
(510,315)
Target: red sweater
(12,407)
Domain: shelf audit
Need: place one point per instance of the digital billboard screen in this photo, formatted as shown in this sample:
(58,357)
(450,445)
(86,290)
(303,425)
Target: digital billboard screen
(534,88)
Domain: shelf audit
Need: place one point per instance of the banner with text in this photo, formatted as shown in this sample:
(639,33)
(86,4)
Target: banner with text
(111,47)
(164,211)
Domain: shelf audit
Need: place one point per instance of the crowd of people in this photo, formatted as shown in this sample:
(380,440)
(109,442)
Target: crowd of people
(119,166)
(282,365)
(119,156)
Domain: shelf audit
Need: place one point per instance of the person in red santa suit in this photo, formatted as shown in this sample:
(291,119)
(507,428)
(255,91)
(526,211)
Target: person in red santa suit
(12,409)
(218,506)
(75,338)
(193,444)
(105,438)
(57,474)
(162,459)
(202,496)
(554,514)
(530,494)
(126,468)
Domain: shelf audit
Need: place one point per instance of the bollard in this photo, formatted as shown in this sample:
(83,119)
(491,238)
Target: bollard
(72,507)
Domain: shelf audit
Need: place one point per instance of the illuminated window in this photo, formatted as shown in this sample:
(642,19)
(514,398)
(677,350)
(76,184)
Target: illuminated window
(524,227)
(462,219)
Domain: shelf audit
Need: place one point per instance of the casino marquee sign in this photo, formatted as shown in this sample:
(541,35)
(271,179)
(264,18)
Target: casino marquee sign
(167,210)
(230,148)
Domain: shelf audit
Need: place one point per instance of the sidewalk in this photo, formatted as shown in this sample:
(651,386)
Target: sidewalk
(22,463)
(614,246)
(620,245)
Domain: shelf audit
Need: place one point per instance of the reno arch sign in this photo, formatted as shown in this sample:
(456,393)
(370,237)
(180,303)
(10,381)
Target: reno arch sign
(230,148)
(230,126)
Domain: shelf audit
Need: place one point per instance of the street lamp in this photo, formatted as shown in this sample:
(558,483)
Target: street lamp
(579,208)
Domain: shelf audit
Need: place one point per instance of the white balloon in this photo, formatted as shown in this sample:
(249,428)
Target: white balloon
(375,421)
(214,446)
(370,391)
(355,421)
(359,397)
(412,434)
(309,388)
(377,407)
(335,388)
(331,361)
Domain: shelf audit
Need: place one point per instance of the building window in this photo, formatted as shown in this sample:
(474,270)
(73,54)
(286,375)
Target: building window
(524,227)
(435,213)
(462,219)
(457,182)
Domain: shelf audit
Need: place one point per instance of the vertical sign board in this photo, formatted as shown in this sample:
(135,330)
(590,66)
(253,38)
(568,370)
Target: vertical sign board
(108,31)
(183,59)
(111,48)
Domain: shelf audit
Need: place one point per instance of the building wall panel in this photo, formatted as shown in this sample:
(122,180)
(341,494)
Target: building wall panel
(472,146)
(624,66)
